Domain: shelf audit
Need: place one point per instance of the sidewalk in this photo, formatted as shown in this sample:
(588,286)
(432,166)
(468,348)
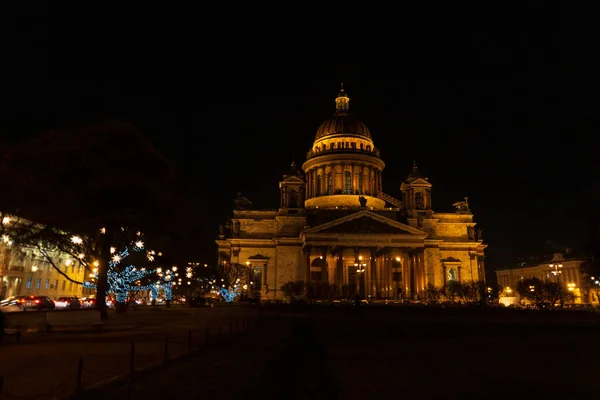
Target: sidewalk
(50,360)
(232,370)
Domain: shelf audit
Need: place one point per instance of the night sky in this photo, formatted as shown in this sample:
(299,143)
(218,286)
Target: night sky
(500,105)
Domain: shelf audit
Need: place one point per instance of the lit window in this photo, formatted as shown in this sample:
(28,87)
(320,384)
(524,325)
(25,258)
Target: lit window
(348,183)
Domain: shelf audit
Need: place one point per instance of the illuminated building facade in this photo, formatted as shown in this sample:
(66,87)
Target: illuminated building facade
(564,270)
(335,225)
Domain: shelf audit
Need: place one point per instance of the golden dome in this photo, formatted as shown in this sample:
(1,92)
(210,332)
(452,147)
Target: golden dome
(342,121)
(345,123)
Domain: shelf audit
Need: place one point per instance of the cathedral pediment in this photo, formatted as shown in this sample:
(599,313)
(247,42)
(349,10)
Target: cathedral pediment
(365,222)
(293,180)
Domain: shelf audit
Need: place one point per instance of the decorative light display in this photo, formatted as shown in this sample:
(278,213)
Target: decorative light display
(121,280)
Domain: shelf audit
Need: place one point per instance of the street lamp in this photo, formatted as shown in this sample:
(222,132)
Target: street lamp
(360,269)
(557,270)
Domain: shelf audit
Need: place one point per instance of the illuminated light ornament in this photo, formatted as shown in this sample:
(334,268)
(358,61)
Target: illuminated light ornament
(139,244)
(229,294)
(76,240)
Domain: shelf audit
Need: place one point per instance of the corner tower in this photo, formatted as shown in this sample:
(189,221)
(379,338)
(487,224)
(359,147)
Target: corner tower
(291,190)
(343,167)
(416,195)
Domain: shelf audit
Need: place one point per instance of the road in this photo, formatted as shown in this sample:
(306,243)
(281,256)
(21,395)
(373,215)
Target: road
(45,365)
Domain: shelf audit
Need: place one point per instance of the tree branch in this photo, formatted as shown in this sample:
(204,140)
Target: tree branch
(51,262)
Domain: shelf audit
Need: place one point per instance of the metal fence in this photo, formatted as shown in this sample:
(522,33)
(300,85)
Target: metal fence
(174,347)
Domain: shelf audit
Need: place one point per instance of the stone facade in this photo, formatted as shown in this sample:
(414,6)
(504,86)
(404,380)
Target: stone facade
(336,226)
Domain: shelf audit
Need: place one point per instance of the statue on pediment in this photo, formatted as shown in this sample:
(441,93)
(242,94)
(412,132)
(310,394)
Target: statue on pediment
(479,234)
(462,206)
(471,232)
(363,201)
(241,202)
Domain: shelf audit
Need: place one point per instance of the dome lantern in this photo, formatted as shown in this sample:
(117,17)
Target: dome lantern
(342,102)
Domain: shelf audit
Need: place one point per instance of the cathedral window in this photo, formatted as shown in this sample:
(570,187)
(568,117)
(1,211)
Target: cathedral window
(331,146)
(329,184)
(353,145)
(293,199)
(419,201)
(452,275)
(348,182)
(319,180)
(360,178)
(361,146)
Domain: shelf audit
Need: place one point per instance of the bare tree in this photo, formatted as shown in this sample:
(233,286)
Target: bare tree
(89,182)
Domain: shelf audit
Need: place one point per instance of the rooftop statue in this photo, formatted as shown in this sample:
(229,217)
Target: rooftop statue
(241,202)
(462,206)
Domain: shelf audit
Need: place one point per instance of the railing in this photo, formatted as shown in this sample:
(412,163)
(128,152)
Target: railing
(346,150)
(390,199)
(173,347)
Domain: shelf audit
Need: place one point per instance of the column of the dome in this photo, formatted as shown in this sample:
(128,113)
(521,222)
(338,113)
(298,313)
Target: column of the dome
(354,179)
(368,181)
(338,180)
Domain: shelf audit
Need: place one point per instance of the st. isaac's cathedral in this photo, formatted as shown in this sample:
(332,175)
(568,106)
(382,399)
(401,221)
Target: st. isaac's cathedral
(335,225)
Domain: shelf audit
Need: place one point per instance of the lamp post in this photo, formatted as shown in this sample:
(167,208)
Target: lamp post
(556,270)
(360,270)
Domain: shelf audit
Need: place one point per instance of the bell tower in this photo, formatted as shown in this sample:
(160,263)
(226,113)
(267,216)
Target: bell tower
(291,188)
(416,194)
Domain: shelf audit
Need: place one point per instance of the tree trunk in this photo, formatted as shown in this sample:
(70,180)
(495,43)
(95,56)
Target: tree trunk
(102,284)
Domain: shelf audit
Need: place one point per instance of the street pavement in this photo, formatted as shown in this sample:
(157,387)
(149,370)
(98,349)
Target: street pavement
(387,353)
(45,365)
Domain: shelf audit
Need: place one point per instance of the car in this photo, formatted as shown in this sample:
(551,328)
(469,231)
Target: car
(68,302)
(12,304)
(33,302)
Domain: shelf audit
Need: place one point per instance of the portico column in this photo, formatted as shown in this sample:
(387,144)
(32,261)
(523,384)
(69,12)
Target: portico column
(325,271)
(340,267)
(481,269)
(373,270)
(409,268)
(307,264)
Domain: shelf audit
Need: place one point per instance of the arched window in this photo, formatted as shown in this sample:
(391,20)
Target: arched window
(348,182)
(329,184)
(419,201)
(293,199)
(452,275)
(360,179)
(319,180)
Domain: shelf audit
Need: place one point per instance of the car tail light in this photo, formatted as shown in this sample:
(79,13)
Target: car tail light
(36,301)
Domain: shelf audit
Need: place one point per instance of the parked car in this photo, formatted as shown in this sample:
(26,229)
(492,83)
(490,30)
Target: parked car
(90,302)
(37,303)
(68,302)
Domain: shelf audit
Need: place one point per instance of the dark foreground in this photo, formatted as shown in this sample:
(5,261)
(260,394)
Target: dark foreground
(390,353)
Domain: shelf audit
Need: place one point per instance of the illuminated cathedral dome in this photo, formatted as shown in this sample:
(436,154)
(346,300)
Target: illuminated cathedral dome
(342,122)
(343,167)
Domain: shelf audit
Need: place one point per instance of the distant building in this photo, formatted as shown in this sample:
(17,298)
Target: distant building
(561,269)
(336,227)
(24,271)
